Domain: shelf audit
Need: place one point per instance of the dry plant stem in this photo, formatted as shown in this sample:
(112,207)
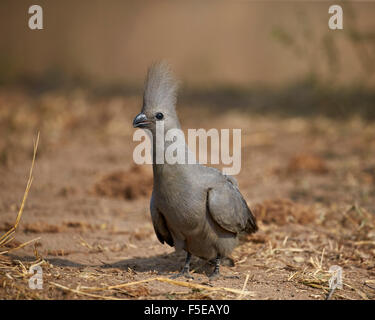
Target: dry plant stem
(83,293)
(198,286)
(175,282)
(20,246)
(6,238)
(244,286)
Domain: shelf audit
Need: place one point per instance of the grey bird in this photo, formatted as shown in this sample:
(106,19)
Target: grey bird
(193,207)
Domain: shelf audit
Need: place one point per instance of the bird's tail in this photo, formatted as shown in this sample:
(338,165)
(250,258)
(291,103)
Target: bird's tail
(160,86)
(251,224)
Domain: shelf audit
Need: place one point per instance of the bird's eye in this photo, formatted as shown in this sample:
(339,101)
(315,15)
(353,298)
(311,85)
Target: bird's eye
(159,116)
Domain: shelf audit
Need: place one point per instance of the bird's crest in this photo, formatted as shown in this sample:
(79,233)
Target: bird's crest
(160,87)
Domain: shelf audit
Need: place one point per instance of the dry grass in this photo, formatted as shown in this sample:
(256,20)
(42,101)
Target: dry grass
(8,236)
(308,252)
(194,286)
(283,211)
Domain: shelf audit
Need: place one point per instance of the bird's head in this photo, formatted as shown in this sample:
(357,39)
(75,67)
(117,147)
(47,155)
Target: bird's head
(159,99)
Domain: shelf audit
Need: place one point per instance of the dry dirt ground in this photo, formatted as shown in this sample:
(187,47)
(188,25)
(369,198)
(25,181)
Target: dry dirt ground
(310,182)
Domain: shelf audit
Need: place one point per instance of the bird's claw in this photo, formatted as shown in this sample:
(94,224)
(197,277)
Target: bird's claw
(183,273)
(217,275)
(214,276)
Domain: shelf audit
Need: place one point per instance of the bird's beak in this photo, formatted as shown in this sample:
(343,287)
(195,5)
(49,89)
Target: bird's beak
(141,121)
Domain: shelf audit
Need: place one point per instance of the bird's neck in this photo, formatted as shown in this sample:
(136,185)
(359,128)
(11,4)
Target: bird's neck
(169,155)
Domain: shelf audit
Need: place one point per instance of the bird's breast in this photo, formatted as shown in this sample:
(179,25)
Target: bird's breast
(180,205)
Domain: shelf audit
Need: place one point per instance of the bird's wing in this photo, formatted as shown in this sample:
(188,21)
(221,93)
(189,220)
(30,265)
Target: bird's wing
(160,225)
(229,209)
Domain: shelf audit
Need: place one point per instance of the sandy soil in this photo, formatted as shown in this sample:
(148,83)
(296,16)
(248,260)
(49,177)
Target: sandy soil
(310,182)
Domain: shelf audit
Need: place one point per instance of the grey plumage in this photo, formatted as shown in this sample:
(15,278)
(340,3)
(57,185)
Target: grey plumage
(193,207)
(160,87)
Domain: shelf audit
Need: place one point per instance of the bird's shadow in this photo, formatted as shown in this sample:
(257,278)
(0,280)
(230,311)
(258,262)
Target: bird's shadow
(59,262)
(163,264)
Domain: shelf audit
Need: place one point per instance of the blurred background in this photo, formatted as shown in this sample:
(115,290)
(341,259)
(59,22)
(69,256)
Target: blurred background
(242,64)
(85,69)
(275,58)
(209,43)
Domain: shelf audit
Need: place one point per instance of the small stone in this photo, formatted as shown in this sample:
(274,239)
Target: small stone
(299,259)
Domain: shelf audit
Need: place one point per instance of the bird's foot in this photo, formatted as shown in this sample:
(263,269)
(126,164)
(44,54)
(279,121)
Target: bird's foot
(184,273)
(231,277)
(216,275)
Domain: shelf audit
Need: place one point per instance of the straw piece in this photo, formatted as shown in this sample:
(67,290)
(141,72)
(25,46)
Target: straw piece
(5,237)
(244,286)
(365,242)
(123,285)
(83,293)
(202,287)
(175,282)
(359,292)
(20,246)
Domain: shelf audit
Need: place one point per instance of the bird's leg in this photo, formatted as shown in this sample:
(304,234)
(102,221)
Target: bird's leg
(216,273)
(185,272)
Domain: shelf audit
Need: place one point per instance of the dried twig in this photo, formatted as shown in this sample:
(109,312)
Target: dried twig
(83,293)
(20,246)
(175,282)
(7,237)
(244,286)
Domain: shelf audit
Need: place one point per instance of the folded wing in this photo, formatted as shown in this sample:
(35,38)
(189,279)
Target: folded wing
(229,209)
(160,225)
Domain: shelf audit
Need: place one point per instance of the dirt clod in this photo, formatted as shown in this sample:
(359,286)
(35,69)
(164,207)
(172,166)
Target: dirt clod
(307,162)
(130,185)
(283,211)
